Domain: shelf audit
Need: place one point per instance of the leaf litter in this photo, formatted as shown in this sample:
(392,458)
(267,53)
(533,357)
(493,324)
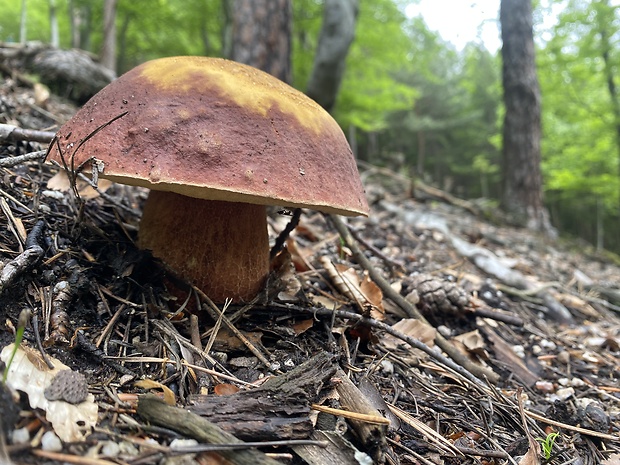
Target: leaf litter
(541,315)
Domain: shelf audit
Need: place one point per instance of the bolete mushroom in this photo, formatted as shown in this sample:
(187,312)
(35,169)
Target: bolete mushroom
(215,141)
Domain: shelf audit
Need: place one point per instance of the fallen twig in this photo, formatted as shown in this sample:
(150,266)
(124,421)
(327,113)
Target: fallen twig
(19,159)
(281,239)
(387,260)
(154,410)
(24,261)
(411,311)
(413,342)
(577,429)
(14,133)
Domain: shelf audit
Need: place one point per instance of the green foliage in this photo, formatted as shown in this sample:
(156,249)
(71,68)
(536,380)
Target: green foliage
(38,25)
(373,84)
(173,27)
(449,132)
(580,125)
(24,318)
(146,29)
(371,87)
(547,444)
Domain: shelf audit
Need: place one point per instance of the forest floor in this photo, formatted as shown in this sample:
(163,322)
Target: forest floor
(343,361)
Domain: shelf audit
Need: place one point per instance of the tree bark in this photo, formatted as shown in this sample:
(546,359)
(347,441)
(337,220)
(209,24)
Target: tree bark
(337,33)
(75,20)
(22,23)
(108,52)
(522,180)
(122,43)
(261,35)
(80,18)
(54,35)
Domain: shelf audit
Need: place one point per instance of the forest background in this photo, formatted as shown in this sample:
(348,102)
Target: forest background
(410,100)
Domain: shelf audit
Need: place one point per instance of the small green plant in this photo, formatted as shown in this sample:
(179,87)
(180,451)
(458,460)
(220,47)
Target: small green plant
(24,318)
(343,244)
(547,444)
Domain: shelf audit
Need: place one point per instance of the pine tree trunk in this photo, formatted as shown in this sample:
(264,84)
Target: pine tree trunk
(261,35)
(522,180)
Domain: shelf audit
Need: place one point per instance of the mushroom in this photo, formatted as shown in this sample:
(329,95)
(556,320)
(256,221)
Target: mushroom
(215,141)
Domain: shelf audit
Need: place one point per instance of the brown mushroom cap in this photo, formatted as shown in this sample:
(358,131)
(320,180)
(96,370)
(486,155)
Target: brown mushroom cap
(215,129)
(230,136)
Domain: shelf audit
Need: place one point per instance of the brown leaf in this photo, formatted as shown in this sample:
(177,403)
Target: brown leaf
(530,458)
(374,295)
(287,281)
(409,327)
(473,342)
(365,293)
(532,454)
(298,259)
(60,182)
(169,396)
(225,389)
(302,326)
(612,460)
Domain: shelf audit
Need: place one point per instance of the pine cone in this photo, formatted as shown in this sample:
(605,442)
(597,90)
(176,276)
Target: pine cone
(438,296)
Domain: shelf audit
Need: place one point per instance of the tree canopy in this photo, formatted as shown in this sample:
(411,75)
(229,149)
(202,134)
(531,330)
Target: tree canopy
(409,98)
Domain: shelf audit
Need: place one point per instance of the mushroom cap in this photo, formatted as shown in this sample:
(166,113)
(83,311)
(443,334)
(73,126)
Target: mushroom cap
(214,129)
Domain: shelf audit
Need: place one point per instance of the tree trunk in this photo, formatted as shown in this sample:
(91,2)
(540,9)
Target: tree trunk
(122,41)
(227,29)
(81,23)
(54,36)
(75,20)
(22,24)
(421,161)
(108,53)
(79,20)
(522,180)
(337,33)
(261,35)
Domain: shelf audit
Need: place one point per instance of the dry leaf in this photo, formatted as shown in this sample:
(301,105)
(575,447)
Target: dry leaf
(365,293)
(60,182)
(577,303)
(227,341)
(225,389)
(532,454)
(287,280)
(530,457)
(374,295)
(473,343)
(302,326)
(325,301)
(409,327)
(30,374)
(169,396)
(298,259)
(613,459)
(41,95)
(415,329)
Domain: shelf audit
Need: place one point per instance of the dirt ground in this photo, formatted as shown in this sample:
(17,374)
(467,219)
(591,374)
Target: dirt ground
(423,334)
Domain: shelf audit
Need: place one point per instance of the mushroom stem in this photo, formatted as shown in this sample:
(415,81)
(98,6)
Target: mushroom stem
(221,247)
